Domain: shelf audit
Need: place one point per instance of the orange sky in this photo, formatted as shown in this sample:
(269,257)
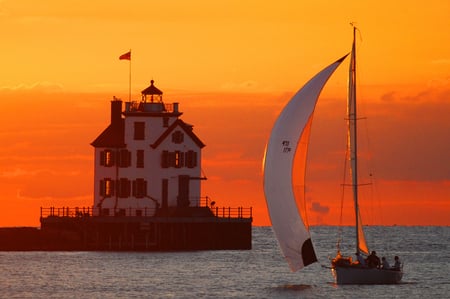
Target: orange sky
(232,65)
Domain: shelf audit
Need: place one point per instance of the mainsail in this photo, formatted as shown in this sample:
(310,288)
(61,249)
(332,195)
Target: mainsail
(291,128)
(361,244)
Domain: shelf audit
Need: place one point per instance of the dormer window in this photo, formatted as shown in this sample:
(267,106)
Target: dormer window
(177,137)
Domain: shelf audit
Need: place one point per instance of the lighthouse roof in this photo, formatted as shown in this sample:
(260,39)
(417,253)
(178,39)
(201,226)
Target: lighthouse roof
(113,136)
(185,127)
(151,90)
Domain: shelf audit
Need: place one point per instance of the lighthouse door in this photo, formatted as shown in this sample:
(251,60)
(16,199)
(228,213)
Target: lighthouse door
(183,191)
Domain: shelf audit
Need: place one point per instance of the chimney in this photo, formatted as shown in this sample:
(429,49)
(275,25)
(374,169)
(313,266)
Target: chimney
(116,111)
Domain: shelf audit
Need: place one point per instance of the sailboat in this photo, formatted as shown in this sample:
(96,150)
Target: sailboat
(288,140)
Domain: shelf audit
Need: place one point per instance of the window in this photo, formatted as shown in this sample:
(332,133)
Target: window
(106,187)
(107,158)
(139,188)
(140,159)
(124,158)
(124,188)
(177,137)
(110,158)
(139,131)
(178,159)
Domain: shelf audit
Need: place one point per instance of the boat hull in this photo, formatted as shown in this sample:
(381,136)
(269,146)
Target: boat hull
(360,275)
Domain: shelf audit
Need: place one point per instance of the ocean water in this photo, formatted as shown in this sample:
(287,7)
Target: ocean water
(257,273)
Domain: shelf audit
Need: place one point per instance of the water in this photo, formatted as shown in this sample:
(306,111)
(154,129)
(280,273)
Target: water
(257,273)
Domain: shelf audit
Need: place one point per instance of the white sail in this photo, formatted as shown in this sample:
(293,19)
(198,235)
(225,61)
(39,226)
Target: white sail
(291,127)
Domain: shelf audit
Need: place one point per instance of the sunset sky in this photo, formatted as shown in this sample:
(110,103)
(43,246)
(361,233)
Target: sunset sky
(232,65)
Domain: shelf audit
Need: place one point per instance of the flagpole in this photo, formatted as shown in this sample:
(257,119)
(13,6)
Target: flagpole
(129,81)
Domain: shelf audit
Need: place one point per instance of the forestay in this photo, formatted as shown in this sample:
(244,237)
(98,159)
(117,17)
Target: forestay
(292,128)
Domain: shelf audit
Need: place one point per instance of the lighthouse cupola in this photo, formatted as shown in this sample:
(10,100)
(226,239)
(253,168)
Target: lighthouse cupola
(152,92)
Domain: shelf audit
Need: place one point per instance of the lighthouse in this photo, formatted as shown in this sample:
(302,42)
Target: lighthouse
(147,161)
(147,190)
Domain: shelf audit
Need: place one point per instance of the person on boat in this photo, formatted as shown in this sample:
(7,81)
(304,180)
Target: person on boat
(384,263)
(397,264)
(373,261)
(360,259)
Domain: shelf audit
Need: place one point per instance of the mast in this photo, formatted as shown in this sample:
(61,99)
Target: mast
(353,134)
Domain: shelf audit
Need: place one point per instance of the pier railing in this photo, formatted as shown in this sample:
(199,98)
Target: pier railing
(220,212)
(229,212)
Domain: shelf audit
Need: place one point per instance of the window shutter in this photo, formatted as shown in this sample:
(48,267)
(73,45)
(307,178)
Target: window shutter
(144,193)
(119,188)
(138,188)
(194,159)
(113,185)
(172,159)
(102,158)
(123,188)
(123,158)
(190,159)
(134,188)
(113,158)
(128,187)
(102,188)
(181,162)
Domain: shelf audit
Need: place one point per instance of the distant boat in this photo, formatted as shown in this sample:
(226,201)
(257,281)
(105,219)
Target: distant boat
(290,137)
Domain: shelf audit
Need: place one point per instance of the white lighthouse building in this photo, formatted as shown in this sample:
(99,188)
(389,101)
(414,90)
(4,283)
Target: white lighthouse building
(147,160)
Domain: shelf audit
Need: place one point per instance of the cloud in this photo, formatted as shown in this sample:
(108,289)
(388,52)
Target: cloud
(44,86)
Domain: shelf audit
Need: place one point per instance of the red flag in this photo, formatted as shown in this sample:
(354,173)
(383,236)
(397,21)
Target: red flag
(126,56)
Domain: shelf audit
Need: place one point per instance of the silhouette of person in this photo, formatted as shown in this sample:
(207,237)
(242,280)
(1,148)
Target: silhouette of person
(384,263)
(373,261)
(397,263)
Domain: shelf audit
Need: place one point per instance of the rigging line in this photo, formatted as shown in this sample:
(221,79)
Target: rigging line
(340,231)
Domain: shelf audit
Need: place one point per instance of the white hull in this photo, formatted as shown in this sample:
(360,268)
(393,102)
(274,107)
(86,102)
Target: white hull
(357,275)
